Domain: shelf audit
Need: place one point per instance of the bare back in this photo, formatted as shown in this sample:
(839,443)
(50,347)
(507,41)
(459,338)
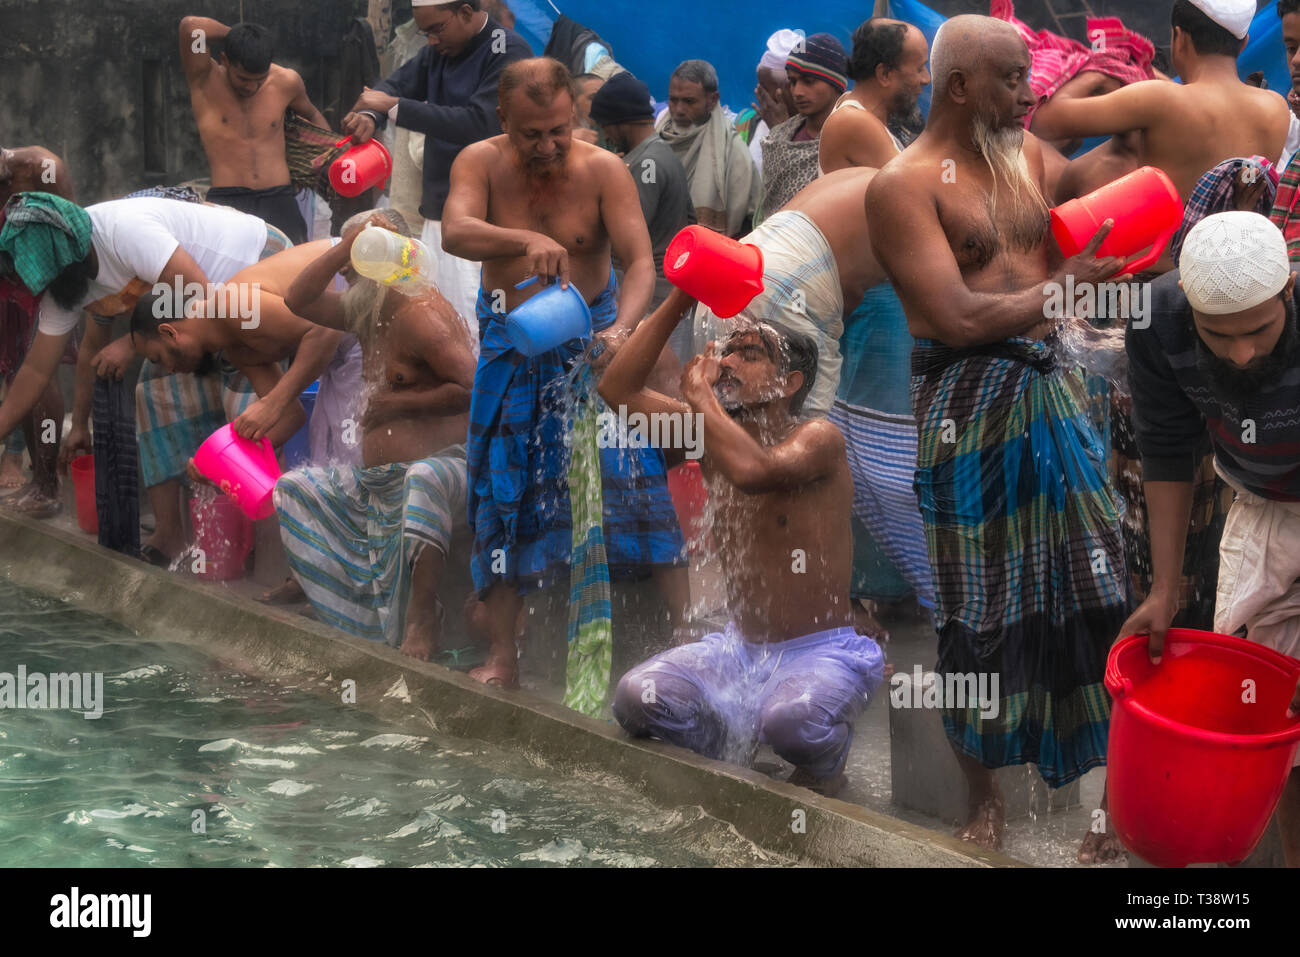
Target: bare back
(568,210)
(1204,123)
(836,202)
(244,137)
(788,554)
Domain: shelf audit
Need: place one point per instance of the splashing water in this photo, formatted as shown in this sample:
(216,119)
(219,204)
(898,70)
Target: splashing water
(1098,351)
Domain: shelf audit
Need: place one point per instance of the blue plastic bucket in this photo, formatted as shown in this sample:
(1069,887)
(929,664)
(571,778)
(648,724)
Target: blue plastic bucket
(297,451)
(549,319)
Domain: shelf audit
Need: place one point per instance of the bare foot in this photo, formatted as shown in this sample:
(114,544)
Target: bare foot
(1100,849)
(502,674)
(286,593)
(827,787)
(987,822)
(423,632)
(866,623)
(34,503)
(11,471)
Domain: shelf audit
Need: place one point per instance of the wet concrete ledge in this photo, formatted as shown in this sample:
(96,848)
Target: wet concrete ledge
(272,643)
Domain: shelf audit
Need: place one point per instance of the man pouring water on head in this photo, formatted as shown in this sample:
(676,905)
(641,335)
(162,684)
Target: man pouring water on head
(1220,360)
(789,669)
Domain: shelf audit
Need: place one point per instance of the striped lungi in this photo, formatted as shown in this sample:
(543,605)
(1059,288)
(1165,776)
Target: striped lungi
(1023,533)
(352,535)
(873,409)
(174,413)
(881,449)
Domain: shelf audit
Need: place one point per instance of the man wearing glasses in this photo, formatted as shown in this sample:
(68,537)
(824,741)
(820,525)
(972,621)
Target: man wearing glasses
(449,93)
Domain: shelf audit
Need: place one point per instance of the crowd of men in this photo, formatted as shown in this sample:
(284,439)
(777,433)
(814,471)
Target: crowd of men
(889,417)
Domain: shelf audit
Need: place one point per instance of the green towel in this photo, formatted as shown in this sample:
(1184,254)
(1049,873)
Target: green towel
(44,234)
(591,634)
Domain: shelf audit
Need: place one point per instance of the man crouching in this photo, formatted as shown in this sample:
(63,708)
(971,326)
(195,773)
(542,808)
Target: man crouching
(789,670)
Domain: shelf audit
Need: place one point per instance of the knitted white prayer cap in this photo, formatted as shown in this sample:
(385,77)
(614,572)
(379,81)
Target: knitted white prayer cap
(1231,262)
(1233,15)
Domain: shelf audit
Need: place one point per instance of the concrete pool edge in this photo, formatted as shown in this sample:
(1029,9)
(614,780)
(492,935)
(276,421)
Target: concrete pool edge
(268,641)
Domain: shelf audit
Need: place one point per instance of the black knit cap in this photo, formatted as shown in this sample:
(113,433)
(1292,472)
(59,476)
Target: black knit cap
(623,99)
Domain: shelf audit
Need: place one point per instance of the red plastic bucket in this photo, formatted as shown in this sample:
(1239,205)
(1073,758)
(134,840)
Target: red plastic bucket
(1200,745)
(1147,211)
(223,536)
(718,271)
(690,498)
(360,168)
(82,469)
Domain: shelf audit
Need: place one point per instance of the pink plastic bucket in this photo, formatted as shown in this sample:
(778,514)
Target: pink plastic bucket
(223,537)
(246,471)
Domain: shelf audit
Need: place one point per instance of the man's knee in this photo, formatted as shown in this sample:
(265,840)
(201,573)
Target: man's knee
(645,696)
(802,732)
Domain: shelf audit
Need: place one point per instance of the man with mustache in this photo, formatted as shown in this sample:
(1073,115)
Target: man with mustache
(1021,527)
(789,669)
(534,202)
(724,182)
(1222,356)
(888,68)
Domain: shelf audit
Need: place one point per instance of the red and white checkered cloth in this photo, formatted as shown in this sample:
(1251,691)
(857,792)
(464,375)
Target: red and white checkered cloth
(1115,51)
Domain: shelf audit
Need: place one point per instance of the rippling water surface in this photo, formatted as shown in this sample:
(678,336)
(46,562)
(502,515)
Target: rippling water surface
(284,778)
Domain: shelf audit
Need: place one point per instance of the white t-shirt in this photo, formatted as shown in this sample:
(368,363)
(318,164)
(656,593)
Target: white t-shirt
(134,238)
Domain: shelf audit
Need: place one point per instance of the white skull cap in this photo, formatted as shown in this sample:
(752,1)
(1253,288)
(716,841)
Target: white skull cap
(1231,262)
(1233,15)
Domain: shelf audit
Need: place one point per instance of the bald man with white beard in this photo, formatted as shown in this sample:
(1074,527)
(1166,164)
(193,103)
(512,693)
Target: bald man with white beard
(1027,579)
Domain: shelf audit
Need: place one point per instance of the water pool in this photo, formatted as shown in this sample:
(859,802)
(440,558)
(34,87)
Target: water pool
(194,763)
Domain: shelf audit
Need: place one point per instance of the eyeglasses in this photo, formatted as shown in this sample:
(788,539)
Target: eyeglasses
(437,28)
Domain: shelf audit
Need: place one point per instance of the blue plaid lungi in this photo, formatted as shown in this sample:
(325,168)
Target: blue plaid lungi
(518,460)
(1022,528)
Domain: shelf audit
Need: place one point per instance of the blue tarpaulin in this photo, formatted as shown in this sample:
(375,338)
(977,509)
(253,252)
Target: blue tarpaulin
(651,39)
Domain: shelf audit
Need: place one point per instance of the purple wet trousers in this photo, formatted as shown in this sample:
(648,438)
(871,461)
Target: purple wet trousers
(721,696)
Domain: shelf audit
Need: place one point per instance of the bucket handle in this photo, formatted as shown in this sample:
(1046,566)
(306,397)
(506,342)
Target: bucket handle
(342,141)
(1158,247)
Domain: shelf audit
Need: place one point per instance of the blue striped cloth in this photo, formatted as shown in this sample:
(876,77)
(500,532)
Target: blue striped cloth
(352,535)
(519,465)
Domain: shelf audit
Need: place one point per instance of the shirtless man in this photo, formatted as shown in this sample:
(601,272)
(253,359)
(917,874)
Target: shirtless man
(888,69)
(814,273)
(239,102)
(790,669)
(534,202)
(247,321)
(1189,128)
(967,249)
(26,168)
(418,367)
